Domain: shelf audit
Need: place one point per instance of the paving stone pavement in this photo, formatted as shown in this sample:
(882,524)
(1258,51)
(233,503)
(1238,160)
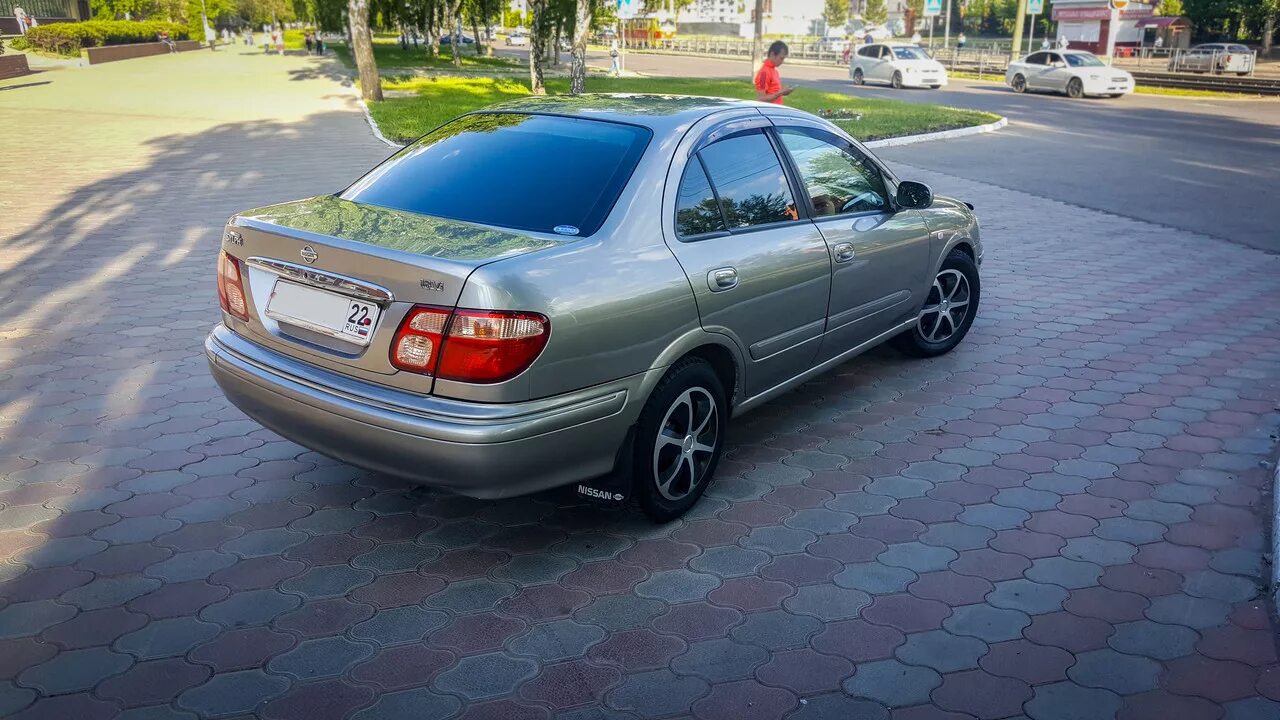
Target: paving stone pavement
(1063,519)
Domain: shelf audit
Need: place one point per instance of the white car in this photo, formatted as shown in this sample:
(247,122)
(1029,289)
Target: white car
(1074,72)
(897,64)
(1214,57)
(518,38)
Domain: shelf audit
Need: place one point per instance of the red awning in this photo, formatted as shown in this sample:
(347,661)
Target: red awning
(1162,22)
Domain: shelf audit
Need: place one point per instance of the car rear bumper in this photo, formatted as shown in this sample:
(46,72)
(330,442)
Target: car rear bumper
(476,449)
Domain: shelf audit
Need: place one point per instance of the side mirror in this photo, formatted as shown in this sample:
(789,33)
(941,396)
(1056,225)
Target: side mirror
(914,195)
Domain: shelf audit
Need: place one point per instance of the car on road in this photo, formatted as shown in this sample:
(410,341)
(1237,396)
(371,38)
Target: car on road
(1214,58)
(1075,73)
(518,39)
(897,64)
(494,335)
(448,39)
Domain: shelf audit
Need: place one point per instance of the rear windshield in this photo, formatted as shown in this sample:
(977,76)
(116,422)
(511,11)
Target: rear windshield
(526,172)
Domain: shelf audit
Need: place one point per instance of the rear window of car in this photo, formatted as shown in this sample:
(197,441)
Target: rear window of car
(542,173)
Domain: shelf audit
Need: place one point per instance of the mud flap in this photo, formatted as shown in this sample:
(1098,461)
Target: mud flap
(614,489)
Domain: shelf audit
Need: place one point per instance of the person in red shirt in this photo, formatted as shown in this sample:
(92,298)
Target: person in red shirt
(768,82)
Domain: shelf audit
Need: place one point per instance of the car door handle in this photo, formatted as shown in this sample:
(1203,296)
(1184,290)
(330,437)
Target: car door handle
(722,279)
(844,252)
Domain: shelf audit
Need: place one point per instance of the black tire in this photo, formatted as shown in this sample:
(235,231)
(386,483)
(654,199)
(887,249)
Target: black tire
(1019,84)
(859,78)
(896,82)
(916,341)
(690,379)
(934,87)
(1075,88)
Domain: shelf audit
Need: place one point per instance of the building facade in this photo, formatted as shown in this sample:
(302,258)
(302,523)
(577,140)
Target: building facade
(1086,24)
(44,11)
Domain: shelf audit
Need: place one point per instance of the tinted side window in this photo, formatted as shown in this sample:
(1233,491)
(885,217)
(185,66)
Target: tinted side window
(749,180)
(869,51)
(1036,59)
(696,210)
(838,180)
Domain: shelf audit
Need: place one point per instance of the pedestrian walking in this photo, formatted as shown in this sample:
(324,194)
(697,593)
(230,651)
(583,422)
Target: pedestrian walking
(768,82)
(868,38)
(226,36)
(310,41)
(915,38)
(1045,44)
(1063,43)
(960,41)
(319,44)
(21,16)
(615,58)
(280,41)
(248,36)
(210,37)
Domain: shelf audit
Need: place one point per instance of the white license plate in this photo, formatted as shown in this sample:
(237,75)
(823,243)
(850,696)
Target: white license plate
(324,312)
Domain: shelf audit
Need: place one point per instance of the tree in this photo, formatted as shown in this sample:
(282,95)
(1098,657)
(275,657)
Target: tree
(537,42)
(1170,8)
(836,13)
(875,12)
(581,28)
(362,50)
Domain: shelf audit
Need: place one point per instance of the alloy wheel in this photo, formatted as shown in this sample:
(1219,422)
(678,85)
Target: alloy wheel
(945,309)
(686,443)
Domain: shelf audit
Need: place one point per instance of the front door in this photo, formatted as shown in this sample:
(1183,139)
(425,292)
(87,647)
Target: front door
(759,269)
(880,256)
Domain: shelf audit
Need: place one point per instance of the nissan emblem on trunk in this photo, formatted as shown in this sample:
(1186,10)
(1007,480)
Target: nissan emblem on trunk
(309,254)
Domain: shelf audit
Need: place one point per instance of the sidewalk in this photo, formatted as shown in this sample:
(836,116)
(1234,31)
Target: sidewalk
(1064,519)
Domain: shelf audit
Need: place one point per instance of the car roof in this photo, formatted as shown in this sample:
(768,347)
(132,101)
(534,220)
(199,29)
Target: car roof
(656,112)
(1072,52)
(900,44)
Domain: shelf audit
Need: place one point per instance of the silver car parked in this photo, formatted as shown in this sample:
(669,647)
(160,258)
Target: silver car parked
(582,291)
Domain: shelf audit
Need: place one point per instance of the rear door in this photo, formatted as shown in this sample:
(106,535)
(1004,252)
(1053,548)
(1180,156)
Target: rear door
(880,256)
(884,65)
(759,270)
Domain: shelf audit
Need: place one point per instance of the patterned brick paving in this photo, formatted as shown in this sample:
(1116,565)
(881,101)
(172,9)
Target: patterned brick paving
(1066,518)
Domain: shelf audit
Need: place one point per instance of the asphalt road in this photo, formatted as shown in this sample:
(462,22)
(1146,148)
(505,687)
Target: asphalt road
(1188,163)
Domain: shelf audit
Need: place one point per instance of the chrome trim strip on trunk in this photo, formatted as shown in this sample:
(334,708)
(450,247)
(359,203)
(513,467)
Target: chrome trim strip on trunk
(324,280)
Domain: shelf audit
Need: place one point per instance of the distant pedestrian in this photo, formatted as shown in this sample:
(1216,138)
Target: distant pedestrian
(280,41)
(226,36)
(915,38)
(768,82)
(960,41)
(615,58)
(1159,42)
(32,22)
(248,36)
(21,16)
(1045,44)
(310,41)
(868,38)
(1063,43)
(163,37)
(847,54)
(319,44)
(210,37)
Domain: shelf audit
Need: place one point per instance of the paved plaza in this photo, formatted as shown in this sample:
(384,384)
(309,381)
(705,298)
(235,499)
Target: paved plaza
(1067,518)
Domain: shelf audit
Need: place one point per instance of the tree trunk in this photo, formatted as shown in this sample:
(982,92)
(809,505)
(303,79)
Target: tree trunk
(537,37)
(456,45)
(475,29)
(581,28)
(1268,32)
(362,49)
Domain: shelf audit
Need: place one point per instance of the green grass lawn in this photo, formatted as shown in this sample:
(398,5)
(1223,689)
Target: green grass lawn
(388,54)
(437,100)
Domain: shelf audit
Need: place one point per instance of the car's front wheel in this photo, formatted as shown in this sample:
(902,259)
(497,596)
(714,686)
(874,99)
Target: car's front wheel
(948,310)
(679,439)
(858,77)
(896,82)
(1075,88)
(1019,84)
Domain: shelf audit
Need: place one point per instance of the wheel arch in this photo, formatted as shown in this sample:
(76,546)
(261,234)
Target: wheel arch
(718,350)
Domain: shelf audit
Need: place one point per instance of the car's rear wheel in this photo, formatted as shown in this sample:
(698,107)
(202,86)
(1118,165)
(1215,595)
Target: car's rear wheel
(679,439)
(948,310)
(1019,84)
(934,87)
(1075,88)
(858,77)
(896,82)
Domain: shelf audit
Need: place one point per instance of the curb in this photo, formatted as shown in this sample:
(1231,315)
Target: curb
(943,135)
(887,142)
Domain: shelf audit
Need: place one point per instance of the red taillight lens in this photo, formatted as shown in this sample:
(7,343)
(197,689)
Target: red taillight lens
(491,346)
(417,343)
(231,287)
(479,346)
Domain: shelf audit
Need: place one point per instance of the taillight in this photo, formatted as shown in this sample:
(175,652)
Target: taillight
(416,347)
(231,287)
(478,346)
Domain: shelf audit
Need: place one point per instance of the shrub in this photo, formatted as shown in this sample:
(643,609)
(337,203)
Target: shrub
(69,38)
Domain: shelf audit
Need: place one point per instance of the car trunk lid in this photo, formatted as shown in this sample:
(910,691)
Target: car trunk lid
(329,280)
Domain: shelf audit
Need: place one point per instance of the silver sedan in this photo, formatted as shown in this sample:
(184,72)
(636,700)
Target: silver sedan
(582,291)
